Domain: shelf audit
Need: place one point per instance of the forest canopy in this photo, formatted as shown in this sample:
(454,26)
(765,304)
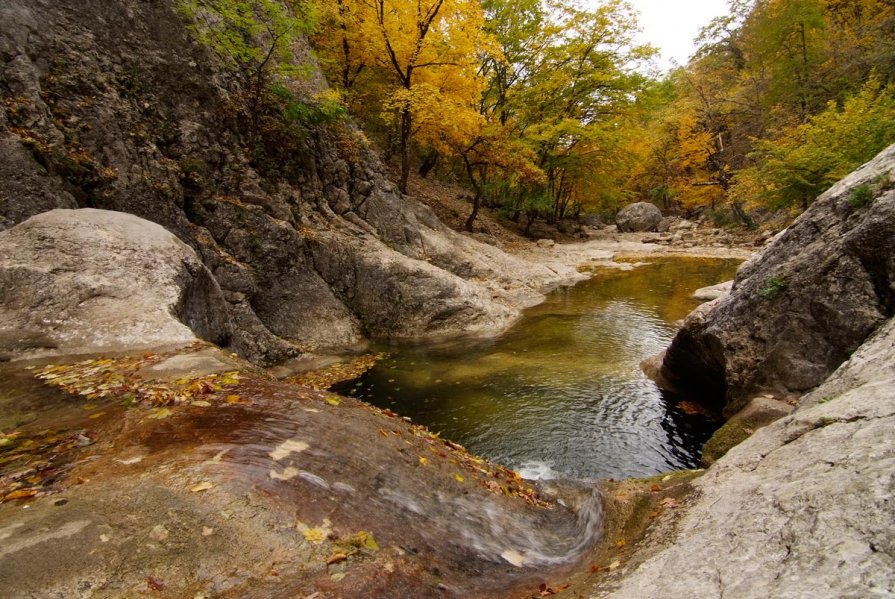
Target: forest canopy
(550,109)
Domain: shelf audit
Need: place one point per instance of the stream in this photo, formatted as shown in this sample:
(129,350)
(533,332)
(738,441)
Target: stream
(561,395)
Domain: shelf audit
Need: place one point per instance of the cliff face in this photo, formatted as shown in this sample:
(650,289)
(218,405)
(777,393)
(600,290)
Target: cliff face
(115,106)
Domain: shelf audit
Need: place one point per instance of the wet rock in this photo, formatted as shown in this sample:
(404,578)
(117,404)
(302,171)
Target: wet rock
(802,306)
(759,412)
(803,508)
(77,281)
(638,217)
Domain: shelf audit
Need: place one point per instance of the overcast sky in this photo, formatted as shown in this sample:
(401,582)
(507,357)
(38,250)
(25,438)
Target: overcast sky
(671,25)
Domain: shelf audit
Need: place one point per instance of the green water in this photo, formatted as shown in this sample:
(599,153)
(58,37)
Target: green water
(561,394)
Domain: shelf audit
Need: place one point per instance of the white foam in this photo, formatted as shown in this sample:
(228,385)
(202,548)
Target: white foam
(538,470)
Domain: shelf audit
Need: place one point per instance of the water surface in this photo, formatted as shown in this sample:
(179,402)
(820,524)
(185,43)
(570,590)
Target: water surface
(562,394)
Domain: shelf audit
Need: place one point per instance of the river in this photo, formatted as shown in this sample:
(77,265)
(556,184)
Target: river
(561,395)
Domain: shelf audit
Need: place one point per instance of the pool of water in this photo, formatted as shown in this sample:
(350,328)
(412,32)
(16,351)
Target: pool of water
(562,394)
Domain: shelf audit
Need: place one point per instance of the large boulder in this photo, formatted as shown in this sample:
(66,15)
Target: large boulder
(803,508)
(82,281)
(803,306)
(638,217)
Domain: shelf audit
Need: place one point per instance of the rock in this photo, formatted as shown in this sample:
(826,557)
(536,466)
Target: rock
(713,292)
(803,508)
(802,306)
(666,224)
(78,281)
(156,141)
(759,412)
(546,243)
(683,225)
(638,217)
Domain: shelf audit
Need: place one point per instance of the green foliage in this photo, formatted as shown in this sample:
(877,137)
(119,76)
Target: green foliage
(326,109)
(251,36)
(860,196)
(772,287)
(807,159)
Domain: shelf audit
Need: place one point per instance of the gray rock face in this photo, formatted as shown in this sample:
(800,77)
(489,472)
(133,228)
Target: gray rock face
(803,306)
(79,281)
(803,508)
(638,217)
(116,106)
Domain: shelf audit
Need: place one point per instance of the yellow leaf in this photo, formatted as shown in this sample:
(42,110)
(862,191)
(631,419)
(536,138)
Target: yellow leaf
(97,415)
(203,486)
(459,478)
(423,461)
(365,540)
(315,535)
(233,399)
(333,400)
(161,413)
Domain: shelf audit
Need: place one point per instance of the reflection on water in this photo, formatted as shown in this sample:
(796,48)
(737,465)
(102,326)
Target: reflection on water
(562,394)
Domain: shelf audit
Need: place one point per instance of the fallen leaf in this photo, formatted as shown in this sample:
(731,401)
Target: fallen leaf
(156,584)
(614,565)
(338,576)
(203,486)
(97,415)
(315,535)
(336,558)
(459,478)
(333,400)
(364,540)
(669,502)
(423,461)
(231,399)
(655,489)
(619,543)
(201,404)
(161,413)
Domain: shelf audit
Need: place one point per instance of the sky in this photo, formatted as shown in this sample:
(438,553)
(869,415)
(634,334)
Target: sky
(671,25)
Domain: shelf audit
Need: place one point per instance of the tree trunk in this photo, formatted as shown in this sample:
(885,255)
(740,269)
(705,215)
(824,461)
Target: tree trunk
(406,123)
(531,215)
(477,200)
(429,162)
(741,215)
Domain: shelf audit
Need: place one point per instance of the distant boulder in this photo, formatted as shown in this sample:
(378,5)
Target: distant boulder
(638,217)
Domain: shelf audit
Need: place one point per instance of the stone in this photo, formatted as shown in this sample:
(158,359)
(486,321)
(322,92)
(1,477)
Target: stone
(713,292)
(759,412)
(189,171)
(800,307)
(638,217)
(803,508)
(546,243)
(79,281)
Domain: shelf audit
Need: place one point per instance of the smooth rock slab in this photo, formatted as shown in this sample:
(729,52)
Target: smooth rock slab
(803,508)
(78,281)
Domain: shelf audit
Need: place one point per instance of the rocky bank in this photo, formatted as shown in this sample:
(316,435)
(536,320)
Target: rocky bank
(799,308)
(117,107)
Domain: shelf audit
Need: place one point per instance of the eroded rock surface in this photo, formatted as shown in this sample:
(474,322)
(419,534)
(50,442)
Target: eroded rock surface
(115,106)
(801,307)
(80,281)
